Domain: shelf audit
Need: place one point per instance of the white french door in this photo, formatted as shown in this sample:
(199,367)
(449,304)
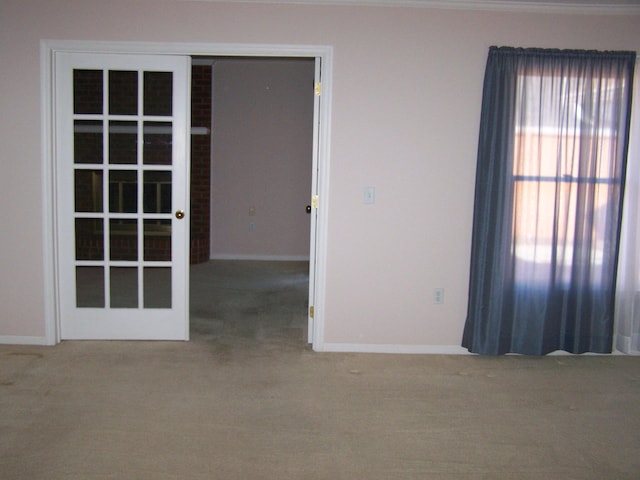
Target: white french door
(122,195)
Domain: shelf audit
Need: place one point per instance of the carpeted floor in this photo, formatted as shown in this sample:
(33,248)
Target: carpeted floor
(239,402)
(250,301)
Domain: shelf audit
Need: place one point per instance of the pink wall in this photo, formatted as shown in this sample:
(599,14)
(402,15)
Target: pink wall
(407,86)
(262,158)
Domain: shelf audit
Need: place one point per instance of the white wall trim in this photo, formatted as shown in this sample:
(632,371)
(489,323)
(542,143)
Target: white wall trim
(268,258)
(618,7)
(564,353)
(189,49)
(22,340)
(49,47)
(49,237)
(432,350)
(389,348)
(624,343)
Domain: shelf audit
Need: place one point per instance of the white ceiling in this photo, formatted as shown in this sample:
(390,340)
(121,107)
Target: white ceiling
(611,7)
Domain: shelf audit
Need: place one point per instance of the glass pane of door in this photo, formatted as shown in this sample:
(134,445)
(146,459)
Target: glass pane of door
(125,216)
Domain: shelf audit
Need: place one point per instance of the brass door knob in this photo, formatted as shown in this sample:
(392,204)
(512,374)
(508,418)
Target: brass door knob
(308,209)
(179,214)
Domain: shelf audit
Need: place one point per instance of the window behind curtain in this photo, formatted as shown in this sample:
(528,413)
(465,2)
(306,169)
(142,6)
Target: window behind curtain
(566,179)
(549,185)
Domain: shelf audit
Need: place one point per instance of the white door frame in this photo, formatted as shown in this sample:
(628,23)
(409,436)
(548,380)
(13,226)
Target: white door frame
(48,48)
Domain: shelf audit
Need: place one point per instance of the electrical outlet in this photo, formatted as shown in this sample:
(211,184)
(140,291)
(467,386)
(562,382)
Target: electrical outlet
(252,226)
(438,295)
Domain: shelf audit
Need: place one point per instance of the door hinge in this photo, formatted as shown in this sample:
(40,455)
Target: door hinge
(317,89)
(314,201)
(311,311)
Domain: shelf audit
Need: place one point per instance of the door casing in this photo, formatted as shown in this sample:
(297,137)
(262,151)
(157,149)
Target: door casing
(320,186)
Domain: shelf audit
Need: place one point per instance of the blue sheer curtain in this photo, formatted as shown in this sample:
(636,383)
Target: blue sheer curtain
(548,201)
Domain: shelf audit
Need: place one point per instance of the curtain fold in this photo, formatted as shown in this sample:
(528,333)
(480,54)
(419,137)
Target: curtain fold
(627,314)
(549,181)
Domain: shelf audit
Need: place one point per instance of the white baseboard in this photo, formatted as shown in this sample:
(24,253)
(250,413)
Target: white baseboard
(22,340)
(427,349)
(399,349)
(564,353)
(272,258)
(626,343)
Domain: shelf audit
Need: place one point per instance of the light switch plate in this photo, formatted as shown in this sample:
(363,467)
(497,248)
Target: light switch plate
(369,195)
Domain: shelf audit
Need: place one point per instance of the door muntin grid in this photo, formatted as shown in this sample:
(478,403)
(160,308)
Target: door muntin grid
(123,147)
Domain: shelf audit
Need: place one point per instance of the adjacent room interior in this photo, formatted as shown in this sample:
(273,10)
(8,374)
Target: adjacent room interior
(251,162)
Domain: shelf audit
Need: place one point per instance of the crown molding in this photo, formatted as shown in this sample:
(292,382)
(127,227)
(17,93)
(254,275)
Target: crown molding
(592,7)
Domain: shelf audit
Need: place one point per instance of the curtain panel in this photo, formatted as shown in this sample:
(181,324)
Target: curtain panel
(548,201)
(627,314)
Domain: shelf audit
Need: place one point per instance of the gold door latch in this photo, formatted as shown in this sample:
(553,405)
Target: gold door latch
(179,214)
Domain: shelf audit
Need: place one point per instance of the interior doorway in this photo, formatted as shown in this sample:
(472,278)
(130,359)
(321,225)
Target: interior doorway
(251,182)
(50,49)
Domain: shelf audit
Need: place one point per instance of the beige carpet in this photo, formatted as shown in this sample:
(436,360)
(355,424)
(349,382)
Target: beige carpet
(240,404)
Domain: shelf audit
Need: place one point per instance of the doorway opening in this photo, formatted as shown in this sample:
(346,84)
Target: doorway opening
(58,199)
(252,164)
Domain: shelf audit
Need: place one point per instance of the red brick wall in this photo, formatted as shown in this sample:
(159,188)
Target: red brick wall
(200,163)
